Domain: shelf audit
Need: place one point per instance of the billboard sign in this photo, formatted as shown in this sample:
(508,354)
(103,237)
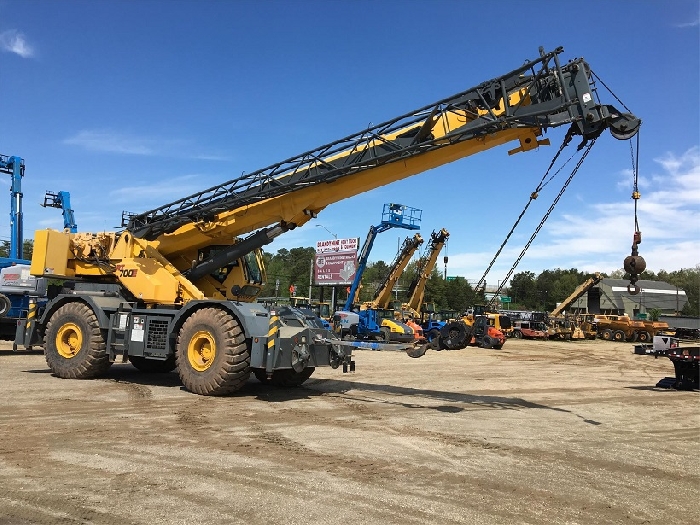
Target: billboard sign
(335,268)
(337,245)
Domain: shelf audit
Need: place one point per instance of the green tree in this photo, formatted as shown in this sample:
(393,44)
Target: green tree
(688,280)
(459,294)
(522,289)
(27,249)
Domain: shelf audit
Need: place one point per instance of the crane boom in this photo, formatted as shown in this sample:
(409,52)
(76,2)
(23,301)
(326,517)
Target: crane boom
(517,106)
(425,267)
(382,296)
(578,292)
(160,250)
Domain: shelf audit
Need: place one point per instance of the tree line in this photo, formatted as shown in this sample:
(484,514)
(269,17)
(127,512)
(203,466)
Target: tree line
(527,290)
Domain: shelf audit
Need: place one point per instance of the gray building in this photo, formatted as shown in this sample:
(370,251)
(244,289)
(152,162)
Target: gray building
(610,296)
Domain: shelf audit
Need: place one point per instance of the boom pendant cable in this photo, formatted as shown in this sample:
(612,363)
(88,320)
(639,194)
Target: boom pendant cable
(544,219)
(533,196)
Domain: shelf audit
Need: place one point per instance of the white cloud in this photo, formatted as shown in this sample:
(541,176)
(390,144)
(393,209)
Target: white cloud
(692,23)
(110,142)
(158,193)
(12,41)
(599,237)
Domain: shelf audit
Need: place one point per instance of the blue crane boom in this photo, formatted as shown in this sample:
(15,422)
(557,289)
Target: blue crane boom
(61,200)
(14,166)
(393,216)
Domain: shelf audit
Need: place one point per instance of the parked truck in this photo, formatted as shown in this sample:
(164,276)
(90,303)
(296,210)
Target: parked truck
(175,288)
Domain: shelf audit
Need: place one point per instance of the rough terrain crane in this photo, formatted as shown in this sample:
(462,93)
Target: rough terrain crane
(382,295)
(174,288)
(416,290)
(376,323)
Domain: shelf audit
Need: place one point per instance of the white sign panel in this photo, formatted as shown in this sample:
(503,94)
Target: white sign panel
(337,245)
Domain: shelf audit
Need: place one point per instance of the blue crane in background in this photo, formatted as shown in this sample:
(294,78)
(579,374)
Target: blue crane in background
(14,166)
(61,200)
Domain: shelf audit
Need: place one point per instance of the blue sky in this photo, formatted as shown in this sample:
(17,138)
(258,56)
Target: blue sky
(130,105)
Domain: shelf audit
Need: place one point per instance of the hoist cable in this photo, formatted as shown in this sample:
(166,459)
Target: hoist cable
(635,172)
(533,196)
(544,219)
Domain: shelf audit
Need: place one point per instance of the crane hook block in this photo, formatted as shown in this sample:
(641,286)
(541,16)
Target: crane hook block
(635,264)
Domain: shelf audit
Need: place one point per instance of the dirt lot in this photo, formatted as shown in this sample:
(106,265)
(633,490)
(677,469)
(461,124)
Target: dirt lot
(538,432)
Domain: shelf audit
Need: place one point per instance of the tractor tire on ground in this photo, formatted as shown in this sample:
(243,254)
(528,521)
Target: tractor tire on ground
(517,334)
(75,346)
(643,337)
(212,356)
(607,334)
(153,366)
(619,336)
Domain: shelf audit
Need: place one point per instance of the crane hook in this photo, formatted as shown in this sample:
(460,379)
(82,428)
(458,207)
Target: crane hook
(635,264)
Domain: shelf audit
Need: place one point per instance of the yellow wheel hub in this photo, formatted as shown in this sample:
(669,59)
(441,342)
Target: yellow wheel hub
(201,351)
(69,340)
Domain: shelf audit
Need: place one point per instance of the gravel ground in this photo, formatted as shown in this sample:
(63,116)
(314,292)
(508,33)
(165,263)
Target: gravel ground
(538,432)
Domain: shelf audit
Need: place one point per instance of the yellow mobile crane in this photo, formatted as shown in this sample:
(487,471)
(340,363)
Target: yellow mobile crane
(416,290)
(429,328)
(382,295)
(175,287)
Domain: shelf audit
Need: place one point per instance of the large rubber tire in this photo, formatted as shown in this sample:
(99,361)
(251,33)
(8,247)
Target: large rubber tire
(5,305)
(517,334)
(619,336)
(487,342)
(644,337)
(75,347)
(286,378)
(607,334)
(212,356)
(433,334)
(385,334)
(455,335)
(153,366)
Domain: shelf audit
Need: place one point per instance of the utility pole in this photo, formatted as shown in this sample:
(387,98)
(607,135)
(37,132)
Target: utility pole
(311,278)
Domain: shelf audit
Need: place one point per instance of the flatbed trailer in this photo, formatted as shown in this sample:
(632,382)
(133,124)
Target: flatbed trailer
(685,359)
